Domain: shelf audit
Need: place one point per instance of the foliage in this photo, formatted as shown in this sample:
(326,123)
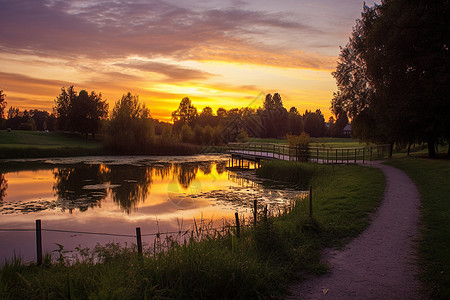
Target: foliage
(393,75)
(186,112)
(2,104)
(301,145)
(295,122)
(82,113)
(314,123)
(274,117)
(431,178)
(130,129)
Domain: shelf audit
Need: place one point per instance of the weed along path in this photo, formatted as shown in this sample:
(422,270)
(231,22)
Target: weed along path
(381,262)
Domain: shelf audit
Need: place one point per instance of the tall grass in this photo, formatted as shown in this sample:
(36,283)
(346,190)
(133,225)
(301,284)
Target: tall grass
(259,264)
(432,179)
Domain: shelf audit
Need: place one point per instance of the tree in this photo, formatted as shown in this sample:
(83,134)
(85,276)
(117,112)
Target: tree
(393,75)
(186,112)
(83,112)
(314,123)
(130,129)
(221,112)
(62,106)
(207,117)
(295,121)
(86,112)
(268,103)
(274,116)
(2,104)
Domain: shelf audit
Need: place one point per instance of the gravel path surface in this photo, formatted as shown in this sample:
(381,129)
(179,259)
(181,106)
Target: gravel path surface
(380,263)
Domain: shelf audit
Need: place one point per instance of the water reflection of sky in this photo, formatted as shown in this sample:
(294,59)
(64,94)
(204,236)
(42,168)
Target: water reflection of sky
(116,198)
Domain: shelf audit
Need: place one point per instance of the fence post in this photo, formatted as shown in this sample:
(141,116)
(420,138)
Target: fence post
(139,240)
(310,202)
(238,228)
(39,242)
(255,211)
(265,212)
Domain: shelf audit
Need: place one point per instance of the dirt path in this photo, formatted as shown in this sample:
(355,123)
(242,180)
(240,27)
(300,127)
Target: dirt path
(380,263)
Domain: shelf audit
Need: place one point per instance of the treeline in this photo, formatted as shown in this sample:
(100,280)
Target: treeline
(129,128)
(272,120)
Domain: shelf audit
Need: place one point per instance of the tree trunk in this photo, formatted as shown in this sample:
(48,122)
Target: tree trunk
(391,149)
(409,148)
(431,148)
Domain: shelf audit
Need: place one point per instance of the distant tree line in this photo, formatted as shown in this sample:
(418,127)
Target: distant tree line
(129,128)
(393,75)
(271,120)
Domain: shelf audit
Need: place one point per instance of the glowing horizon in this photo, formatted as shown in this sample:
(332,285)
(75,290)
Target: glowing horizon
(219,54)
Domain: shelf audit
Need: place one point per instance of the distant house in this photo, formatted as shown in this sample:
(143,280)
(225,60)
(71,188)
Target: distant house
(347,130)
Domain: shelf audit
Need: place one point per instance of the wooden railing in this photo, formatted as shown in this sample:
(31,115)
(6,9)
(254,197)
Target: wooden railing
(314,154)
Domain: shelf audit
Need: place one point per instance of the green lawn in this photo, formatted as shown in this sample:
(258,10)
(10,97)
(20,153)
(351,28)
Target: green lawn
(318,142)
(19,144)
(40,139)
(432,178)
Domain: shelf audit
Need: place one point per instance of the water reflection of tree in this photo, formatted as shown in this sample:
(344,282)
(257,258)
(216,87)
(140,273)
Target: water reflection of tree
(3,187)
(221,167)
(162,171)
(134,185)
(69,187)
(206,168)
(186,173)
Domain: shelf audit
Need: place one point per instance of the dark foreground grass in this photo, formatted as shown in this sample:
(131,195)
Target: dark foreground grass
(432,178)
(258,265)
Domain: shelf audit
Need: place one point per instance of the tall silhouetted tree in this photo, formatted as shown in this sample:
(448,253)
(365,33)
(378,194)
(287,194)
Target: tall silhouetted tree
(2,104)
(274,117)
(314,123)
(62,106)
(186,112)
(393,75)
(130,129)
(295,121)
(80,112)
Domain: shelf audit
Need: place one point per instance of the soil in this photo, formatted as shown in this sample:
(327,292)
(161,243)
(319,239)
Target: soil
(381,262)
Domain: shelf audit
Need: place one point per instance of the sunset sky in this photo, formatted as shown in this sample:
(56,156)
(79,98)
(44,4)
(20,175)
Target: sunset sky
(224,53)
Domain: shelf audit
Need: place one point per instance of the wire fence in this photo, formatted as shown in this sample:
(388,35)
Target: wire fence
(197,231)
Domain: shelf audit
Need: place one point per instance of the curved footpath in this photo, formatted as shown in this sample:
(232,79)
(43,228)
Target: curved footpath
(381,262)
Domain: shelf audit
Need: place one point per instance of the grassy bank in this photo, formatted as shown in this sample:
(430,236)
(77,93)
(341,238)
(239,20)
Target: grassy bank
(25,144)
(432,180)
(259,264)
(34,144)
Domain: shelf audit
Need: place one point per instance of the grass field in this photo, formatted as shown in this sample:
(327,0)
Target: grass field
(258,265)
(432,179)
(317,142)
(44,140)
(22,144)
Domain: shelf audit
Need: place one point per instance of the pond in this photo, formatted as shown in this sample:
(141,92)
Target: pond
(114,195)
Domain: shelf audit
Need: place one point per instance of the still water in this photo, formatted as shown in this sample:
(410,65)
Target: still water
(117,194)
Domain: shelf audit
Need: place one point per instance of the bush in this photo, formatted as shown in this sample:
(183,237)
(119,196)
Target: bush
(299,144)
